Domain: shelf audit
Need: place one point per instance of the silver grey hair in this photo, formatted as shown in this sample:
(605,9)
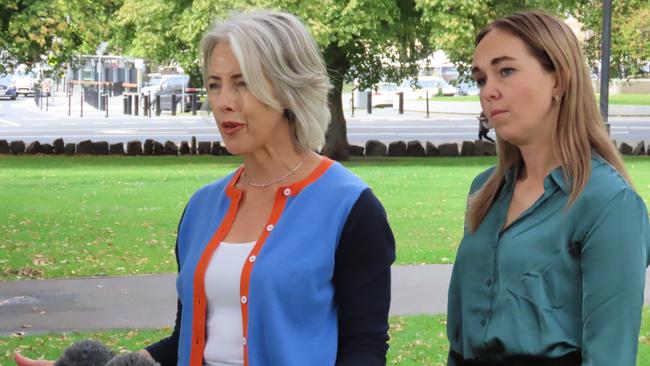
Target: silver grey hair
(276,47)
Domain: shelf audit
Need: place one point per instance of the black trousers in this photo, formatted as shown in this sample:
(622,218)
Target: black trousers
(571,359)
(483,134)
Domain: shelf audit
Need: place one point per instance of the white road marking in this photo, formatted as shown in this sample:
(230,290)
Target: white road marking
(14,124)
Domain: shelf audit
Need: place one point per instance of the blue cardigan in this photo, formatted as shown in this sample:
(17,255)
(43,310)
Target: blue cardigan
(315,289)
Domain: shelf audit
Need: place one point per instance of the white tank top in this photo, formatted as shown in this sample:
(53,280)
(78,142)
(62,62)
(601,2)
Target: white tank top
(224,335)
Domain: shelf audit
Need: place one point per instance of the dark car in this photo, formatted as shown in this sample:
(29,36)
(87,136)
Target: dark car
(7,87)
(166,99)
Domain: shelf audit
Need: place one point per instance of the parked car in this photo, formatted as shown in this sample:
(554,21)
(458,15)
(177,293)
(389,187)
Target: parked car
(7,87)
(200,98)
(165,86)
(433,84)
(468,88)
(25,82)
(449,73)
(384,94)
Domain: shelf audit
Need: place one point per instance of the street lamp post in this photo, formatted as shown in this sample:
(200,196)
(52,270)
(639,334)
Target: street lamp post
(604,61)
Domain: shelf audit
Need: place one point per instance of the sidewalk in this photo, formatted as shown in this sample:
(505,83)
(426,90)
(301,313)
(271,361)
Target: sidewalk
(58,105)
(35,306)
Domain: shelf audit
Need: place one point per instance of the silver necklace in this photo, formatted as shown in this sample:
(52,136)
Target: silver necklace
(262,185)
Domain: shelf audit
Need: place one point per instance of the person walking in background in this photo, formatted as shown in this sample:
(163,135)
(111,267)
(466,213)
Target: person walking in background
(484,127)
(286,261)
(551,267)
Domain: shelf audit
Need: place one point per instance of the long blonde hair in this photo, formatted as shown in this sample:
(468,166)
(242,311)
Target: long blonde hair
(579,126)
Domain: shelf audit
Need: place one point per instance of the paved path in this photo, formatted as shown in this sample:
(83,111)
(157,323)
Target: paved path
(34,306)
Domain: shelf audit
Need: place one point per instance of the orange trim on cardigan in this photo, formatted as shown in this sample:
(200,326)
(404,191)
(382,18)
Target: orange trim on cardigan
(200,301)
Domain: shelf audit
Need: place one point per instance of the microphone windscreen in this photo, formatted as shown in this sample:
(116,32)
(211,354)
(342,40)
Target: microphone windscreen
(132,359)
(85,353)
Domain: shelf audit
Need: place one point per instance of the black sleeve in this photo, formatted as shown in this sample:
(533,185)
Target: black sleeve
(365,253)
(165,351)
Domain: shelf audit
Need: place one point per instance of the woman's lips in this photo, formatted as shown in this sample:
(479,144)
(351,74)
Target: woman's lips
(497,113)
(230,128)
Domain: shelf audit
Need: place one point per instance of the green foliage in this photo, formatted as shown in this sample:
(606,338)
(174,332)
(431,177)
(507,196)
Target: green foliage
(630,38)
(54,30)
(457,22)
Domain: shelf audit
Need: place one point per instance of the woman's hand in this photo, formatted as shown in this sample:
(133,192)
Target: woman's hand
(24,361)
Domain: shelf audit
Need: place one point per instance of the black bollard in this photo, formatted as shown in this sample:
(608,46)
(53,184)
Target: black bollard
(47,102)
(106,104)
(173,106)
(157,105)
(193,98)
(401,102)
(69,102)
(124,103)
(82,104)
(149,104)
(136,104)
(352,102)
(145,109)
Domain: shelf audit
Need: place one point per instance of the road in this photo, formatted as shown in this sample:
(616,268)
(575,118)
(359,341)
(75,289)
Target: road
(23,120)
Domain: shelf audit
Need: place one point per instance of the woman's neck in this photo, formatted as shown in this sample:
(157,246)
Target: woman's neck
(539,160)
(267,165)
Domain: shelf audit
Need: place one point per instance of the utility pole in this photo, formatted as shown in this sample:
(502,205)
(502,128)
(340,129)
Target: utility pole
(604,61)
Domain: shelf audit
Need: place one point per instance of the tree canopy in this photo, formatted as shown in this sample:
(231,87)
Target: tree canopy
(630,38)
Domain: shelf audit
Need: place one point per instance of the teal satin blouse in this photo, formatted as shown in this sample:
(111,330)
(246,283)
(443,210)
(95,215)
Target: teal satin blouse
(556,280)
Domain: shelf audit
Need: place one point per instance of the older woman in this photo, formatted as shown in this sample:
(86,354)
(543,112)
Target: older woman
(286,261)
(551,268)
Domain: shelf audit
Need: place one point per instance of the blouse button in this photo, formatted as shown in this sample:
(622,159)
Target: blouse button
(269,228)
(287,192)
(483,322)
(251,258)
(488,282)
(244,300)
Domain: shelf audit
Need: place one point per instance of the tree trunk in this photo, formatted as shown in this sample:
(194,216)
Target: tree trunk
(336,138)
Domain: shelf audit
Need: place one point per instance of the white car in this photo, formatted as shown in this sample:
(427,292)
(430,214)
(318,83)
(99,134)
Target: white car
(432,84)
(25,83)
(384,94)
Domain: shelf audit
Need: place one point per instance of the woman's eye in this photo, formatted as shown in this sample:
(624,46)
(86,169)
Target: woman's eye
(240,84)
(506,71)
(213,86)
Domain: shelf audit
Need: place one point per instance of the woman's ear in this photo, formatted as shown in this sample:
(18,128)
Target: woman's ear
(561,77)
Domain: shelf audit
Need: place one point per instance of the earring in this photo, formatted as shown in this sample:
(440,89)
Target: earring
(289,115)
(556,98)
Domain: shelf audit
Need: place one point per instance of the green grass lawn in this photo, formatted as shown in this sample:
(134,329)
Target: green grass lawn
(95,216)
(628,99)
(415,341)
